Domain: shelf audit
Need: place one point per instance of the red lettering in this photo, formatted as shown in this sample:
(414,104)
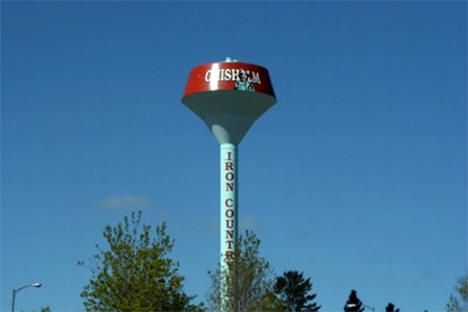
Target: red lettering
(229,213)
(229,255)
(229,202)
(229,176)
(230,186)
(229,166)
(230,224)
(230,234)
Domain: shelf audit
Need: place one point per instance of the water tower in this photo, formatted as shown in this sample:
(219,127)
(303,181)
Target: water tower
(228,96)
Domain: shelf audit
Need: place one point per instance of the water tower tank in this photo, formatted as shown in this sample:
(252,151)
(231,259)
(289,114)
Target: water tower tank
(229,96)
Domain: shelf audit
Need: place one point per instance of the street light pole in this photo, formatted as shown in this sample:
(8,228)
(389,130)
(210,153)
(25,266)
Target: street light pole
(37,285)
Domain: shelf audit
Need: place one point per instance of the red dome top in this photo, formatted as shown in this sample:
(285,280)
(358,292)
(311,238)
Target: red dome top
(229,76)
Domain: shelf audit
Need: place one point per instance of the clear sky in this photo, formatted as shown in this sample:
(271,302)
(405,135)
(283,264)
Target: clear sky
(357,176)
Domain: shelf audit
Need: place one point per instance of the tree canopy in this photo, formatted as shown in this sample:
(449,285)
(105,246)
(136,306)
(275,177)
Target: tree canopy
(391,308)
(459,301)
(293,291)
(353,304)
(134,272)
(247,280)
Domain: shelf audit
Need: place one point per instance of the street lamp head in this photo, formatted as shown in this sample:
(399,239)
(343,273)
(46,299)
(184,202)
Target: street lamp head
(37,285)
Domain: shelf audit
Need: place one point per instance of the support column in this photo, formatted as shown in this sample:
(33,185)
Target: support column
(228,211)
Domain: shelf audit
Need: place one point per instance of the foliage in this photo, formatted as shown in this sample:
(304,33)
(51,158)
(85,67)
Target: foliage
(292,290)
(459,302)
(391,308)
(271,303)
(135,273)
(246,282)
(46,309)
(353,304)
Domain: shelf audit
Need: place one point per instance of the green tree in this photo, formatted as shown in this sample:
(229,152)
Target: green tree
(135,273)
(46,309)
(459,301)
(293,291)
(353,304)
(246,282)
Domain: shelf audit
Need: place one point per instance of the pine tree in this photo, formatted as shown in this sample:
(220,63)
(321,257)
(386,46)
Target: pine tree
(353,304)
(292,289)
(391,308)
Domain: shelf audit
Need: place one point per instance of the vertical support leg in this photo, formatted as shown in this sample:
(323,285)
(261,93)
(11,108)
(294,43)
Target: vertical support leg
(228,212)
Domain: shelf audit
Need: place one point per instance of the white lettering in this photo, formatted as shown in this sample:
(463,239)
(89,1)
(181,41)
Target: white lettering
(208,75)
(256,78)
(235,74)
(228,74)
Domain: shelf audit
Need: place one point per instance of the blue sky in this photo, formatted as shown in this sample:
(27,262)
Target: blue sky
(357,177)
